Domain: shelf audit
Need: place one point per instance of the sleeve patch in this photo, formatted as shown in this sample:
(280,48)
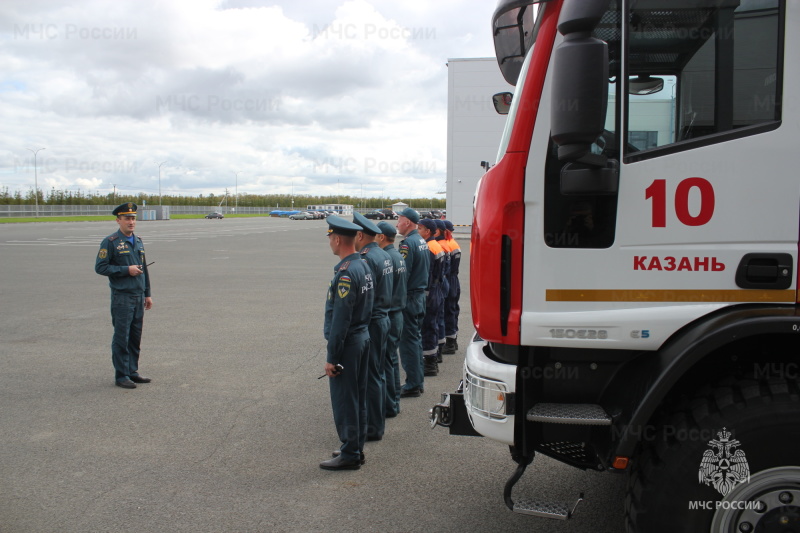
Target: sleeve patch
(343,289)
(103,253)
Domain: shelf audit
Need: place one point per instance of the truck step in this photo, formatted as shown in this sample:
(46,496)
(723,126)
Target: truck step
(546,509)
(583,414)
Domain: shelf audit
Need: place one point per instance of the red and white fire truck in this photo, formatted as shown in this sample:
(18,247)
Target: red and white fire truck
(634,258)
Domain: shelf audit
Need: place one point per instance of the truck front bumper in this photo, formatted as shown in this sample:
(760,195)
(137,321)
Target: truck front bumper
(483,403)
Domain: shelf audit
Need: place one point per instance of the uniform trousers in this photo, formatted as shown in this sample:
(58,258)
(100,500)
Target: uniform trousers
(411,339)
(376,379)
(127,317)
(392,363)
(451,308)
(349,396)
(440,328)
(430,326)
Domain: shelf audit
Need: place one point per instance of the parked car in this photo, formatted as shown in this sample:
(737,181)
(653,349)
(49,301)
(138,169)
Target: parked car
(304,215)
(431,214)
(215,215)
(375,215)
(389,214)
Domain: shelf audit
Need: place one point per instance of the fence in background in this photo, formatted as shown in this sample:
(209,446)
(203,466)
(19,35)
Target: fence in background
(13,211)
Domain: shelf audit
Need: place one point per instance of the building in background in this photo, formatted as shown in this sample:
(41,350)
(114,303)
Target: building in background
(473,130)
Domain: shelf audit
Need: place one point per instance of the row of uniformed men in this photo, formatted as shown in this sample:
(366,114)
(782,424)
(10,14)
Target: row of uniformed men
(383,300)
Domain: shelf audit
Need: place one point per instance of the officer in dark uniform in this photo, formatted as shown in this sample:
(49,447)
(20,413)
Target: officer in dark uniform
(433,300)
(445,288)
(415,252)
(347,314)
(392,369)
(380,264)
(451,307)
(121,259)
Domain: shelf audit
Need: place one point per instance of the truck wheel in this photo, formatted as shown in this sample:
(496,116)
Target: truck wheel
(665,490)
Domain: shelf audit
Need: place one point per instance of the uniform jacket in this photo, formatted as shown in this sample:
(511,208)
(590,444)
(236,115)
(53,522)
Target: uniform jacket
(349,304)
(380,264)
(455,257)
(436,272)
(400,278)
(445,244)
(415,251)
(115,256)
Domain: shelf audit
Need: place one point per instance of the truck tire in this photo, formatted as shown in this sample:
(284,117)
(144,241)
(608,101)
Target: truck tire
(665,492)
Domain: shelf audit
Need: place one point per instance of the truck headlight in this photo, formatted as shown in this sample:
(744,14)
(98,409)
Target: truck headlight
(485,397)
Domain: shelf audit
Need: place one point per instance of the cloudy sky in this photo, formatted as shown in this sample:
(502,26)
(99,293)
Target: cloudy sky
(318,96)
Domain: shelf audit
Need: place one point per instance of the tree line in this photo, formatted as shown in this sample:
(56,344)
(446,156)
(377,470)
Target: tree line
(62,197)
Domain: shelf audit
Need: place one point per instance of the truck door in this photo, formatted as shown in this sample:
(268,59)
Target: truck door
(705,210)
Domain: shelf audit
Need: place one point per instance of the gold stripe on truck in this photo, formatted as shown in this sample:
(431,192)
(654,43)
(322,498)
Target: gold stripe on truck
(641,295)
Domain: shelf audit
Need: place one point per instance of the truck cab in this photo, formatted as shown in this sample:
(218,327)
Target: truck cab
(634,258)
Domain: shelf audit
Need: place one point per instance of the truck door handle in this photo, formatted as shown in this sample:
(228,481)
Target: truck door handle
(765,271)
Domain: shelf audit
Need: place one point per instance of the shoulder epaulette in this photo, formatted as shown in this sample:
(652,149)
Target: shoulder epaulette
(344,266)
(113,237)
(364,251)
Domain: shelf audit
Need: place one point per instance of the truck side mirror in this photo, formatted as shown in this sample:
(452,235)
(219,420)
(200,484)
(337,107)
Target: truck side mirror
(580,82)
(502,102)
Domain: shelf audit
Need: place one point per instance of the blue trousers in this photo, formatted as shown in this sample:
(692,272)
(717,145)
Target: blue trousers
(451,308)
(392,363)
(127,317)
(349,396)
(440,329)
(376,378)
(430,325)
(410,345)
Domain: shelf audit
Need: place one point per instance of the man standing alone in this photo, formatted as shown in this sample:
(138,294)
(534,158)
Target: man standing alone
(121,259)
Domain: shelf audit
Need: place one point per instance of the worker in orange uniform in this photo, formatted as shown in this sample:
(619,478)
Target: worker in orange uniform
(433,300)
(451,307)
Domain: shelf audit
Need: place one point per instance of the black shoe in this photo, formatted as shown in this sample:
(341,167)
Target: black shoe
(439,354)
(374,438)
(337,463)
(337,453)
(410,393)
(126,384)
(140,379)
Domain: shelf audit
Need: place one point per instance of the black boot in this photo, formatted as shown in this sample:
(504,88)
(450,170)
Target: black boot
(431,368)
(439,354)
(450,346)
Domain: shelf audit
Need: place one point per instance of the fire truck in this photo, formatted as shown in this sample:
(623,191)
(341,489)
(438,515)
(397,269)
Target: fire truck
(633,264)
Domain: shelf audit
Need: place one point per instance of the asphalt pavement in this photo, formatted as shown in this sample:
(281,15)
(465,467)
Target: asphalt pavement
(229,435)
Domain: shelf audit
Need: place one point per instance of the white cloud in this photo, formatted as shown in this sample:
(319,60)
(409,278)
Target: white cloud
(328,97)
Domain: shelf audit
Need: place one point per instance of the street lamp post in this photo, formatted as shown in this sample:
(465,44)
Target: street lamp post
(237,190)
(35,181)
(159,182)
